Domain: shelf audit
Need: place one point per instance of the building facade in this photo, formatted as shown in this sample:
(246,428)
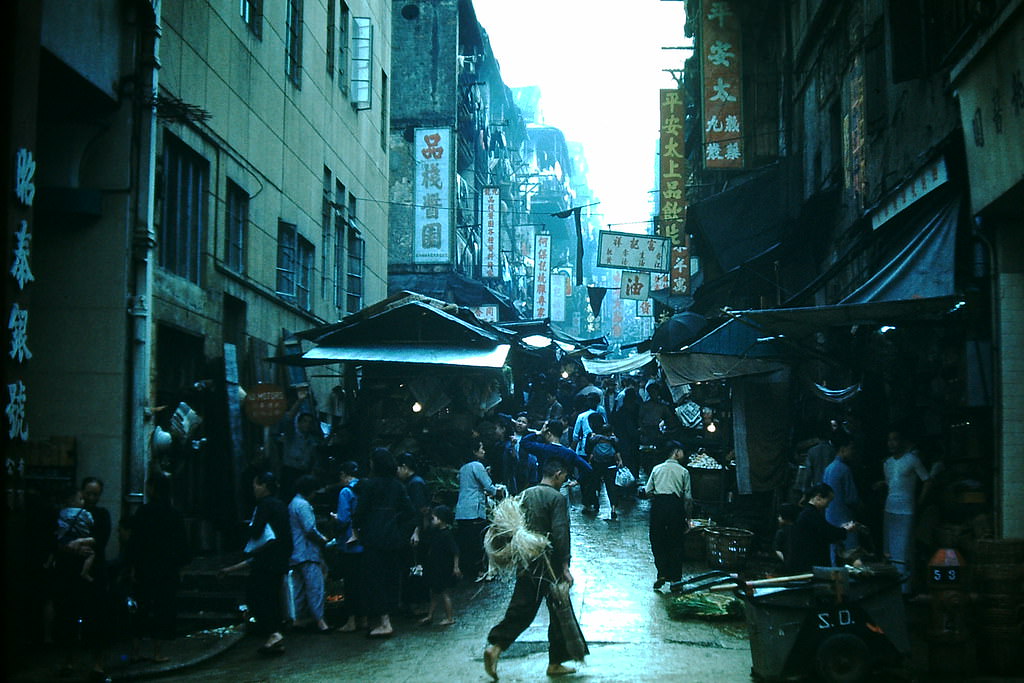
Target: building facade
(212,180)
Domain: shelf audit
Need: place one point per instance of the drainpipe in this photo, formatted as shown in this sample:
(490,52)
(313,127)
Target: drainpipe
(140,310)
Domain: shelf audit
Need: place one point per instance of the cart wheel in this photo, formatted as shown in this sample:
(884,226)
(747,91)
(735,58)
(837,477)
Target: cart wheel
(843,658)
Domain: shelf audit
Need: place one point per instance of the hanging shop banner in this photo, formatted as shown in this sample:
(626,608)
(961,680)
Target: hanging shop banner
(558,287)
(491,200)
(524,241)
(618,316)
(672,168)
(721,78)
(680,275)
(541,276)
(645,309)
(636,286)
(433,227)
(488,314)
(629,251)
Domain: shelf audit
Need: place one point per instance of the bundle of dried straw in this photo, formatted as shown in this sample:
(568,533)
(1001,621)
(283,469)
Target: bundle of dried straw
(510,545)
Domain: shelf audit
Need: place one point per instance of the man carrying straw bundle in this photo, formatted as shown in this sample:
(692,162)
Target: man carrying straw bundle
(530,535)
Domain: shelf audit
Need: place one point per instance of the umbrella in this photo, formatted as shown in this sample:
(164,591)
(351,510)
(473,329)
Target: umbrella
(678,331)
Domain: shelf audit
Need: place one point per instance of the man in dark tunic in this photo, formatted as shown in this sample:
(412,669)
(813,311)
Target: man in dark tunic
(812,534)
(547,513)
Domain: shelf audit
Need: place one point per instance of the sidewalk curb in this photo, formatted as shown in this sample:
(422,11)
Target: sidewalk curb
(136,672)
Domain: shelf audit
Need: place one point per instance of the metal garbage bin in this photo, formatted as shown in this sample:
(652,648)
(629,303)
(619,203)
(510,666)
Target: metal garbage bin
(834,630)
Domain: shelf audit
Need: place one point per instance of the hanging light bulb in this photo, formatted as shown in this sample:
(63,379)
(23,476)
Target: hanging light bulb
(712,427)
(416,407)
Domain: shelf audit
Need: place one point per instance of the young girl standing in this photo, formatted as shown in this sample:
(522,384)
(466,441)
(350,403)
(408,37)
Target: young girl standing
(441,568)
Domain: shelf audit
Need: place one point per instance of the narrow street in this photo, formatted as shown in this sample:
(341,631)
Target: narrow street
(626,624)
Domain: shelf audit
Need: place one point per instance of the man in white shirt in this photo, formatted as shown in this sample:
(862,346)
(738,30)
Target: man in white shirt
(668,487)
(902,469)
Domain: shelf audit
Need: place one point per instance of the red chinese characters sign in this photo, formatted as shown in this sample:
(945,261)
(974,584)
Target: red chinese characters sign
(265,404)
(489,197)
(721,77)
(542,276)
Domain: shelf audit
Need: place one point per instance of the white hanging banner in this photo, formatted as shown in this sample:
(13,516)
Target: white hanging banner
(541,276)
(490,199)
(433,228)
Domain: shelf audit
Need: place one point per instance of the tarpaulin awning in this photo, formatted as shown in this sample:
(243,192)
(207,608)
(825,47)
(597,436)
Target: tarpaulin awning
(744,220)
(616,365)
(916,282)
(430,354)
(733,349)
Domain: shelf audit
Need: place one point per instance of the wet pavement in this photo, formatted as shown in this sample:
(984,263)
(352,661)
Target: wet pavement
(627,626)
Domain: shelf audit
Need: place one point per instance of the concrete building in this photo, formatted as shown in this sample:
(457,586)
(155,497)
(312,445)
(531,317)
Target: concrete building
(211,177)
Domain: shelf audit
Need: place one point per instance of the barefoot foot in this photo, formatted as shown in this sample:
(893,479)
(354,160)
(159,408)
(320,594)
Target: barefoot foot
(491,654)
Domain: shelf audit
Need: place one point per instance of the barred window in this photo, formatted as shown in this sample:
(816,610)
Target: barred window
(294,44)
(183,220)
(237,223)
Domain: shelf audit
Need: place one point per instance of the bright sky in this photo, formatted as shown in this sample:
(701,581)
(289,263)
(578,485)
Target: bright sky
(599,66)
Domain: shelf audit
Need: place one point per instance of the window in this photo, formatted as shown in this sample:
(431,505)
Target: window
(384,123)
(340,227)
(355,246)
(294,44)
(183,222)
(355,269)
(343,50)
(237,219)
(332,31)
(294,266)
(252,15)
(327,227)
(362,58)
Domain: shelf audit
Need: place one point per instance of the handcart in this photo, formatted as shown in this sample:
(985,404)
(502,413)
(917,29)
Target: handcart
(833,626)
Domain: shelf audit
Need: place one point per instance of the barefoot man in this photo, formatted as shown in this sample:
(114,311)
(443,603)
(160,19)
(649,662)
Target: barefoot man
(547,513)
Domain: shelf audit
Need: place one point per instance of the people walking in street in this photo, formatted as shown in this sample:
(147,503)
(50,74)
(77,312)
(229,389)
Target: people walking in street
(349,550)
(606,459)
(267,554)
(383,521)
(547,513)
(846,501)
(157,551)
(903,470)
(475,487)
(590,482)
(668,488)
(441,565)
(414,591)
(307,562)
(812,534)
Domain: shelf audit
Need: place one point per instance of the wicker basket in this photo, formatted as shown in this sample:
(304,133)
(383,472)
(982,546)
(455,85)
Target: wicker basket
(727,546)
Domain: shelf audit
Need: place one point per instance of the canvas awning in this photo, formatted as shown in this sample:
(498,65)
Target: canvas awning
(429,354)
(733,349)
(596,366)
(916,282)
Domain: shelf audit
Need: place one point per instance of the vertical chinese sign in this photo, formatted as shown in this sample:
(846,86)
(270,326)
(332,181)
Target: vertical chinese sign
(17,321)
(559,284)
(721,78)
(672,223)
(541,276)
(432,227)
(491,201)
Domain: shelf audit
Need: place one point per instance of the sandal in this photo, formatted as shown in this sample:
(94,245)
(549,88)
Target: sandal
(270,650)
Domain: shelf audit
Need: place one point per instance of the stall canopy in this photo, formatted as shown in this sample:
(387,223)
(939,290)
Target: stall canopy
(596,366)
(915,283)
(733,349)
(407,328)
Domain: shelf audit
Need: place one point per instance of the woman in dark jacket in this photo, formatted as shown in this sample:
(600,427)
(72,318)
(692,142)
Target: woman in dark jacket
(267,561)
(383,520)
(157,551)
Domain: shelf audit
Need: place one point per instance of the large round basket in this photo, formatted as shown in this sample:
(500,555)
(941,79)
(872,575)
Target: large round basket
(727,546)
